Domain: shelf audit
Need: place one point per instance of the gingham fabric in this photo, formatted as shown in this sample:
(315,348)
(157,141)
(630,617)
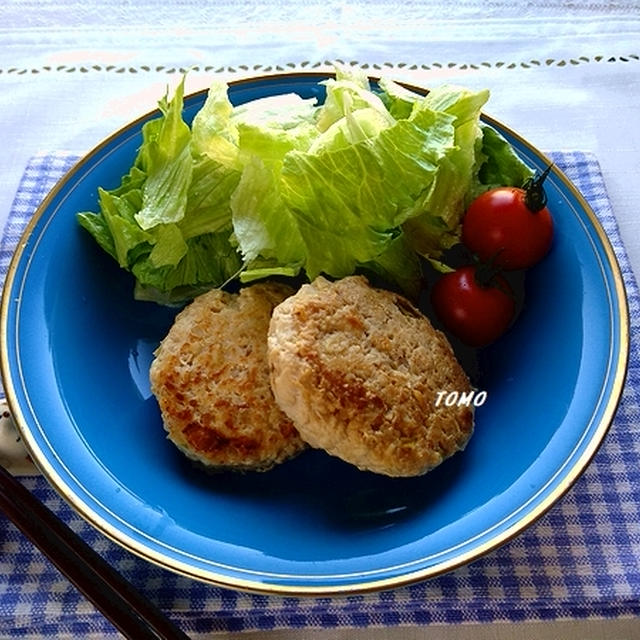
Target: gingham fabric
(581,560)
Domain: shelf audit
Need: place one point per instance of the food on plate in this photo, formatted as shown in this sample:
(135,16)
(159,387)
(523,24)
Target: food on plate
(505,229)
(210,376)
(510,226)
(373,178)
(370,178)
(474,303)
(358,370)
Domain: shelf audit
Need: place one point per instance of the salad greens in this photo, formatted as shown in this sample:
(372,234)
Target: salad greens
(369,180)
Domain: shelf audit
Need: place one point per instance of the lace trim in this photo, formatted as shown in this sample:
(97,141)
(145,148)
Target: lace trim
(291,66)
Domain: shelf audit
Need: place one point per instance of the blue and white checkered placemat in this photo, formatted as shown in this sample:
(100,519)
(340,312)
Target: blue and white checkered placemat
(582,559)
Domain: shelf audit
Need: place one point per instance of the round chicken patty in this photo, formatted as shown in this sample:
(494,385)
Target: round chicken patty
(358,370)
(210,376)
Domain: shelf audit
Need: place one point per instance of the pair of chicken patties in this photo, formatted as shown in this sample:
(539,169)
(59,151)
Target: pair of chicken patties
(245,381)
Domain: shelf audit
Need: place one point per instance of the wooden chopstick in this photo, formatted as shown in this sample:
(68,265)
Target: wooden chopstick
(129,611)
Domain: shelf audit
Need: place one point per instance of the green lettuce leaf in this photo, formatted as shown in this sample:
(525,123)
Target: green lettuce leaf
(368,181)
(213,131)
(437,214)
(399,266)
(169,219)
(264,227)
(347,93)
(500,166)
(399,100)
(210,258)
(208,207)
(168,165)
(349,203)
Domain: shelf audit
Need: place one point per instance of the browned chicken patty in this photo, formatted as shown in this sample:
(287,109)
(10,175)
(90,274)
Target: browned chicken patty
(358,370)
(210,376)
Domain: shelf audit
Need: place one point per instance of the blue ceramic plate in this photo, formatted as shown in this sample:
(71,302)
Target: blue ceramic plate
(76,349)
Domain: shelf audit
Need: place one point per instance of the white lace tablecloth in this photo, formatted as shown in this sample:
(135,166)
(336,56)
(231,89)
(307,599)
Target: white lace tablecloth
(564,75)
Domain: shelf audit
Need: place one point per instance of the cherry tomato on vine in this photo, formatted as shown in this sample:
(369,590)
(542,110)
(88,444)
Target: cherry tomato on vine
(474,304)
(510,226)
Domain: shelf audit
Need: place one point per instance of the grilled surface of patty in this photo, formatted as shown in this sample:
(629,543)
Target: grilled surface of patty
(358,371)
(211,379)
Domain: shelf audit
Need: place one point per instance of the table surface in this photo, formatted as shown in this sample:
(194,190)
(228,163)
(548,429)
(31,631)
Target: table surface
(564,75)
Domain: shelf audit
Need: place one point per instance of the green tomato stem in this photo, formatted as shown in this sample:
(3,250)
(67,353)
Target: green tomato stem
(535,197)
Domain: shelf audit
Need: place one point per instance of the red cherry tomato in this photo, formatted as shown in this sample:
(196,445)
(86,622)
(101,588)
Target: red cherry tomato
(475,311)
(509,226)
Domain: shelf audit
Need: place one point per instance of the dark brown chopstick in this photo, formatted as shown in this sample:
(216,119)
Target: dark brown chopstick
(127,609)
